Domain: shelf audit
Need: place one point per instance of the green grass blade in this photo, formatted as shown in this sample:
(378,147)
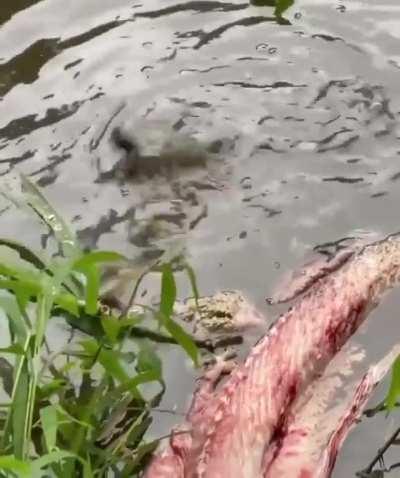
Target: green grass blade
(48,417)
(68,303)
(148,360)
(140,457)
(70,419)
(17,324)
(183,339)
(52,458)
(113,326)
(21,288)
(65,276)
(24,252)
(97,257)
(168,291)
(14,270)
(20,410)
(87,469)
(92,275)
(109,359)
(193,282)
(14,428)
(281,6)
(12,349)
(139,379)
(49,216)
(89,266)
(20,468)
(43,313)
(394,389)
(168,297)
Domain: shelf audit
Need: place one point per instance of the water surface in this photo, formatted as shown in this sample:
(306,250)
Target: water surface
(304,117)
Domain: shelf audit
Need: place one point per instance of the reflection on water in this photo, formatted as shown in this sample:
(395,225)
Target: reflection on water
(296,123)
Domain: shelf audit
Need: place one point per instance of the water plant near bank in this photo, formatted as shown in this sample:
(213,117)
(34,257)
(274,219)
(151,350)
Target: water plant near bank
(78,409)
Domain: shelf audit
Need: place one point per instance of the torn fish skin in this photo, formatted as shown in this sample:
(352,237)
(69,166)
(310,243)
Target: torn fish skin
(324,415)
(249,414)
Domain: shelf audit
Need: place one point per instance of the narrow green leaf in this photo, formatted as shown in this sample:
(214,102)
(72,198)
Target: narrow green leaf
(114,327)
(69,418)
(53,457)
(23,298)
(168,291)
(92,275)
(48,417)
(86,323)
(20,468)
(12,349)
(97,257)
(263,3)
(63,272)
(136,432)
(87,469)
(24,252)
(183,339)
(49,216)
(21,288)
(68,303)
(47,390)
(111,327)
(88,265)
(193,282)
(148,360)
(12,266)
(141,454)
(14,429)
(139,379)
(109,359)
(43,314)
(281,6)
(394,389)
(17,324)
(20,410)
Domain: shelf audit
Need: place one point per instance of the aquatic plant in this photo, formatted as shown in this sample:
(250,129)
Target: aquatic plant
(83,408)
(280,5)
(78,409)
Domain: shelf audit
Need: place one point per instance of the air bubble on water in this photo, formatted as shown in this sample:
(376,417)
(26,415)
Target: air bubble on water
(262,47)
(307,146)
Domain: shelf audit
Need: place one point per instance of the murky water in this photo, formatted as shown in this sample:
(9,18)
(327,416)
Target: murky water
(300,124)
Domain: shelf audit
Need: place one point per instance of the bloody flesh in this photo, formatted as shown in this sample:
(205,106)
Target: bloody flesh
(239,430)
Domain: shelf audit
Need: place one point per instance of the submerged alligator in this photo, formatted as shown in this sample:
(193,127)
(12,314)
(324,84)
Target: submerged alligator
(168,174)
(265,420)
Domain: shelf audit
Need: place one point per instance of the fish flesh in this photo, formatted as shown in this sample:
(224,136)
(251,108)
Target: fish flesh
(245,427)
(321,419)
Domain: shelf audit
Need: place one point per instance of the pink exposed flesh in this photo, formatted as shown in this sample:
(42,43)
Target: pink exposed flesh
(322,418)
(242,430)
